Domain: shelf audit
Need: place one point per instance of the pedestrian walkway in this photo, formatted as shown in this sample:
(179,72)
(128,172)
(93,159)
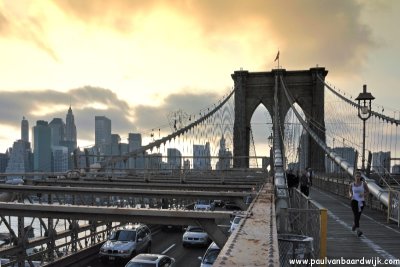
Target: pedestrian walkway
(381,240)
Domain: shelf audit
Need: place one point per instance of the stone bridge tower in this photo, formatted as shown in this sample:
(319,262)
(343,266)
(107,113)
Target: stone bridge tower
(254,88)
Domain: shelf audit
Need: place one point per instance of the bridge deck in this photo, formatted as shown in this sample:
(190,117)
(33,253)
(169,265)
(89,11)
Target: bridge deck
(380,239)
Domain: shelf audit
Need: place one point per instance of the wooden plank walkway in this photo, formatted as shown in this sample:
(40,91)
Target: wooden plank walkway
(381,240)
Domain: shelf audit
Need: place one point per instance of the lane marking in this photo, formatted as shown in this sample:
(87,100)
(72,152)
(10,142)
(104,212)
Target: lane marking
(168,249)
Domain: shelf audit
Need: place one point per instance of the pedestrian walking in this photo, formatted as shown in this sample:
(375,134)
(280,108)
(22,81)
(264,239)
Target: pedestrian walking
(292,181)
(358,192)
(304,183)
(310,175)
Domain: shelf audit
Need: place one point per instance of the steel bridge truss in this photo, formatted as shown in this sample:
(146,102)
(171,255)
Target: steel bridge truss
(47,223)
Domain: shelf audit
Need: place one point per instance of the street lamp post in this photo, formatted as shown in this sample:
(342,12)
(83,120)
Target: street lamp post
(364,100)
(271,144)
(270,140)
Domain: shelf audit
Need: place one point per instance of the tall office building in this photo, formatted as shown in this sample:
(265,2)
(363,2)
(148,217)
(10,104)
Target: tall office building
(70,130)
(3,161)
(224,156)
(42,147)
(174,159)
(201,157)
(124,149)
(381,162)
(60,158)
(115,141)
(135,142)
(116,150)
(57,127)
(20,160)
(154,161)
(24,130)
(60,148)
(347,153)
(396,169)
(103,135)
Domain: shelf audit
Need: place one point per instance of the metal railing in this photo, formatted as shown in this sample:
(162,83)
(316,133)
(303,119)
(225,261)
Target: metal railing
(307,217)
(394,207)
(341,187)
(51,239)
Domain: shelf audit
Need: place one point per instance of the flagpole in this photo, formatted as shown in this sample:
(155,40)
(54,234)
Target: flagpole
(277,58)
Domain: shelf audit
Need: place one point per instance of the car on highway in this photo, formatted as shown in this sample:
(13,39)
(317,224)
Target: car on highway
(234,223)
(151,260)
(126,242)
(218,203)
(230,205)
(172,228)
(204,205)
(248,199)
(195,236)
(210,256)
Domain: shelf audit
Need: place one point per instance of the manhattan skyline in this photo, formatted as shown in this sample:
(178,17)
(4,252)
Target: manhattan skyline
(136,62)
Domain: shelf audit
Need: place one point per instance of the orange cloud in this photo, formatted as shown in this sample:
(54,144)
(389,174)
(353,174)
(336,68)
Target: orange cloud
(326,32)
(28,28)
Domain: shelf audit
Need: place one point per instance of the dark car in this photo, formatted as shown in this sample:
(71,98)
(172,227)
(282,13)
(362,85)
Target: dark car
(172,228)
(231,206)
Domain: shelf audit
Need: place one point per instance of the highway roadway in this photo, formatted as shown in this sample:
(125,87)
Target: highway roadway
(169,243)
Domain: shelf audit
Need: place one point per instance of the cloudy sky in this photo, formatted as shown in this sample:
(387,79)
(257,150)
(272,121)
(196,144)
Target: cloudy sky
(136,61)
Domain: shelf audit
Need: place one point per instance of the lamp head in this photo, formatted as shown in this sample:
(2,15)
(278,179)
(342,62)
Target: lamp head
(364,103)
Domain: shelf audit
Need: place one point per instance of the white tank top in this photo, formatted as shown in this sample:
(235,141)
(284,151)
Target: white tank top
(358,191)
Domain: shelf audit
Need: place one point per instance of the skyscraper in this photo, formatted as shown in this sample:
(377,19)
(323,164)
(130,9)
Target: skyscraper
(3,161)
(20,159)
(118,148)
(42,146)
(70,129)
(347,153)
(24,130)
(70,136)
(60,158)
(135,142)
(57,127)
(381,162)
(224,156)
(102,130)
(115,141)
(174,159)
(102,134)
(201,157)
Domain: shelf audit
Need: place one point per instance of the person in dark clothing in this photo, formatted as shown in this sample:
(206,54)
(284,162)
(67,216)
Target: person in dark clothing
(304,183)
(291,178)
(310,175)
(292,181)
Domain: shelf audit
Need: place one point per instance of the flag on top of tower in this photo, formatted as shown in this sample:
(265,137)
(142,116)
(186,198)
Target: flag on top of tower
(277,56)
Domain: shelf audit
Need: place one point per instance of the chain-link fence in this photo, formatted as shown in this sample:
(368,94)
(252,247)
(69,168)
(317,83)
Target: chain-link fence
(293,246)
(394,207)
(305,231)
